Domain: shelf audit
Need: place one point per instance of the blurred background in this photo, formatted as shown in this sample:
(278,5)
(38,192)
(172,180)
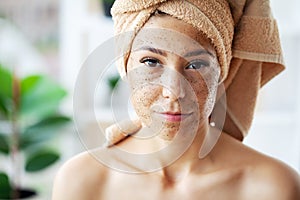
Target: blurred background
(54,37)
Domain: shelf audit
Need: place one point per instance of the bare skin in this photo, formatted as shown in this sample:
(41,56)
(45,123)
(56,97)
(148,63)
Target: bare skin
(230,170)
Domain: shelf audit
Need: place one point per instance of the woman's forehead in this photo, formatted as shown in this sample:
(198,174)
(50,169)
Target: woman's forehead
(172,35)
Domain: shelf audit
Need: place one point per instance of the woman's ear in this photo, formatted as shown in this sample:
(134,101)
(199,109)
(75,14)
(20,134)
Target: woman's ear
(218,114)
(220,91)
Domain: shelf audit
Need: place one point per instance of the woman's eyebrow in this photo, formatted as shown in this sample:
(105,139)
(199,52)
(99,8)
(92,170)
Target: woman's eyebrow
(153,50)
(163,53)
(198,52)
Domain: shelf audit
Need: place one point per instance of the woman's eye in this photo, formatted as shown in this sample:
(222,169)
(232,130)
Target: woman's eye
(197,65)
(151,62)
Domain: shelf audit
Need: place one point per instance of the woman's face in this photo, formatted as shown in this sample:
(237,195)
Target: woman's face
(173,73)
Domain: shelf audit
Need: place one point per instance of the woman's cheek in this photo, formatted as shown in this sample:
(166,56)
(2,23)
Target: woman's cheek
(142,99)
(201,94)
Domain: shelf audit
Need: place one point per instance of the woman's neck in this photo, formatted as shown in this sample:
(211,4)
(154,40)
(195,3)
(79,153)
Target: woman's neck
(189,161)
(178,157)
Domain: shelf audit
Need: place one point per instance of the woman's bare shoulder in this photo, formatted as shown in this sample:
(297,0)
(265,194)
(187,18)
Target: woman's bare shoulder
(269,178)
(82,162)
(273,179)
(81,170)
(264,177)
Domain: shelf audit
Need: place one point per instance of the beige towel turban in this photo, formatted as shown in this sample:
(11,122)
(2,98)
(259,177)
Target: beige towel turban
(245,37)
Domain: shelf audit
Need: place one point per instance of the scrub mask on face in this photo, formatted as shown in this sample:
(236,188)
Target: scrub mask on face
(152,72)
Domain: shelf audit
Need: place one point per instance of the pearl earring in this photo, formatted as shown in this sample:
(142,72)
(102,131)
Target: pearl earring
(212,124)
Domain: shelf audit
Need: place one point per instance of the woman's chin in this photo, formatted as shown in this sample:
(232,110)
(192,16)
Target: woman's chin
(170,131)
(167,135)
(167,130)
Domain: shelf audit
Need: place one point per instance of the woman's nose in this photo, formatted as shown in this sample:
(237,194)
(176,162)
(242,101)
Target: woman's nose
(173,85)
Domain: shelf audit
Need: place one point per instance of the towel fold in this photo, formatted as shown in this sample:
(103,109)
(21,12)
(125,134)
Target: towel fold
(245,37)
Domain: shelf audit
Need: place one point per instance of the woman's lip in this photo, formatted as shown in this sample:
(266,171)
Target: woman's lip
(174,116)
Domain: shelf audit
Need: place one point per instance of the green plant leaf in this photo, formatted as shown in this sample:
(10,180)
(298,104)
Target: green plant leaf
(5,91)
(5,187)
(4,104)
(29,83)
(4,145)
(113,81)
(41,159)
(5,82)
(40,97)
(43,130)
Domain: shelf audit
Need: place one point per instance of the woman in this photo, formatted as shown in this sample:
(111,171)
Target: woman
(177,58)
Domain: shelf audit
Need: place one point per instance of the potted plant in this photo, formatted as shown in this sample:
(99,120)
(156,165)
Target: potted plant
(29,121)
(107,4)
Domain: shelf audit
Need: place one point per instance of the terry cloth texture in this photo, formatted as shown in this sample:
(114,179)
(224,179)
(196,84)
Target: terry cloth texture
(245,37)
